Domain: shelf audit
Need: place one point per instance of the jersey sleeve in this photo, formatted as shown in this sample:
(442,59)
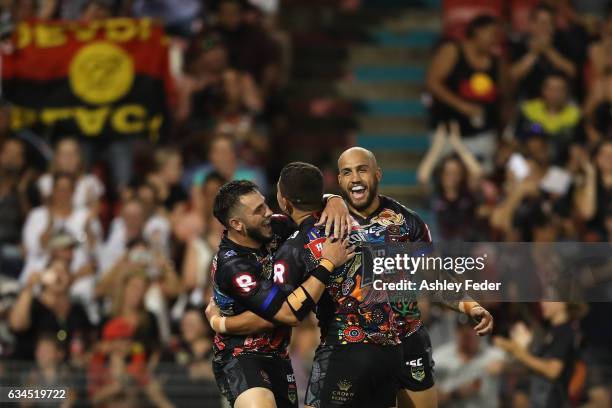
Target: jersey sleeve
(240,280)
(289,268)
(419,229)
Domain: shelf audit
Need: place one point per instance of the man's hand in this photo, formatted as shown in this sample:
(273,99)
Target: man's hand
(484,319)
(336,213)
(212,310)
(337,251)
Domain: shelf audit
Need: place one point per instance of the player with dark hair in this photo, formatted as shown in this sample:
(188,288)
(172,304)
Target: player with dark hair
(386,220)
(359,358)
(254,370)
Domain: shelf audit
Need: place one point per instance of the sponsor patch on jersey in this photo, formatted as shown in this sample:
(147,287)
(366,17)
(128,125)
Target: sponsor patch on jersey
(315,247)
(244,282)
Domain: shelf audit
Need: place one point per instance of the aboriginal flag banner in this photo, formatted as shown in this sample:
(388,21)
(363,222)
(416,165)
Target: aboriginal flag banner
(101,79)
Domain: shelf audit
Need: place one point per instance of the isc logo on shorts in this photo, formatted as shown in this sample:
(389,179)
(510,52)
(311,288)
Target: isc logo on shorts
(415,363)
(290,378)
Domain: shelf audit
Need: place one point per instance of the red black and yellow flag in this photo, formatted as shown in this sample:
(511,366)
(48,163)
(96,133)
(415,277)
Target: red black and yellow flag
(106,78)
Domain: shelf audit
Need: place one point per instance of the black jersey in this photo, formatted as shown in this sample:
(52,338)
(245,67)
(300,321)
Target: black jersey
(393,222)
(242,281)
(347,312)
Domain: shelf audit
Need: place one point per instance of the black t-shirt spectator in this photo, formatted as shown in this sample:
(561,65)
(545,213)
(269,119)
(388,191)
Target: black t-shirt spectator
(530,86)
(558,342)
(44,321)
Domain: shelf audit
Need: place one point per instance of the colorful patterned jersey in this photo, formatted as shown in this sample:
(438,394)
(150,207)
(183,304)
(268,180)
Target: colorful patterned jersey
(346,314)
(392,222)
(242,281)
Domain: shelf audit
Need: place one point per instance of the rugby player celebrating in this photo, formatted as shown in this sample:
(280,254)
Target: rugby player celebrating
(254,370)
(359,176)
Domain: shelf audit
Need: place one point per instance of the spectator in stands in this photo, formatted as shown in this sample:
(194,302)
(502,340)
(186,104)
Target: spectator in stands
(127,286)
(117,375)
(455,186)
(15,179)
(249,48)
(180,17)
(594,193)
(552,115)
(600,56)
(211,88)
(51,312)
(67,160)
(598,110)
(166,177)
(127,227)
(50,372)
(223,158)
(464,79)
(59,214)
(185,368)
(468,369)
(540,54)
(550,355)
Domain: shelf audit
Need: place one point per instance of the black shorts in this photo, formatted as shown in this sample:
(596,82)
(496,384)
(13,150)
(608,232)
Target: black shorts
(354,375)
(235,375)
(418,366)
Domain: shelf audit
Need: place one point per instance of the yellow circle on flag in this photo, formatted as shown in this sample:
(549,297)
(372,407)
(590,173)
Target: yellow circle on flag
(481,83)
(101,72)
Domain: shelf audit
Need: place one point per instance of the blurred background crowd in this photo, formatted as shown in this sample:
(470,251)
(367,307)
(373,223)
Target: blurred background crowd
(105,248)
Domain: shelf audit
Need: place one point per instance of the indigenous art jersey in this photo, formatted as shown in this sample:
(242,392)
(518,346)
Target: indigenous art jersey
(392,222)
(242,281)
(347,312)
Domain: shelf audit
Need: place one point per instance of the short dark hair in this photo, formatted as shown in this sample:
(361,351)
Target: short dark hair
(478,22)
(228,196)
(302,184)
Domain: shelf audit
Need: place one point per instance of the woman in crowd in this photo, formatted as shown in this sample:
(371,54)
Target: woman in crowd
(465,81)
(456,182)
(594,191)
(88,189)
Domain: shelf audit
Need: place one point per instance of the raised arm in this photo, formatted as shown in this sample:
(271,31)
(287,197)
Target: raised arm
(433,155)
(471,163)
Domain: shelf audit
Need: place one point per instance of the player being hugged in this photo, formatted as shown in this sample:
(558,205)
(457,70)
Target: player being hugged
(250,363)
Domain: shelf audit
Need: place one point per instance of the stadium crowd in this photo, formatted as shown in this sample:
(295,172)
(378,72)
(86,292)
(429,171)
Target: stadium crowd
(105,251)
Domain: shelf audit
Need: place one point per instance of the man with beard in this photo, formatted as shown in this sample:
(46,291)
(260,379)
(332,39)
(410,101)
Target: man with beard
(360,354)
(386,220)
(254,370)
(340,312)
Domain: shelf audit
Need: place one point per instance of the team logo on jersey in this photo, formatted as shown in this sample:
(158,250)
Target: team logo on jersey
(280,270)
(388,217)
(417,370)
